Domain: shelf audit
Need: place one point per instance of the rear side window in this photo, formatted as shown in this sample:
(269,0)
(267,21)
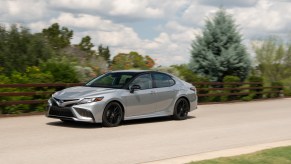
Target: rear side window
(162,80)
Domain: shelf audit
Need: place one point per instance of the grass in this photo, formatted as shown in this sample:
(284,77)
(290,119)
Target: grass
(281,155)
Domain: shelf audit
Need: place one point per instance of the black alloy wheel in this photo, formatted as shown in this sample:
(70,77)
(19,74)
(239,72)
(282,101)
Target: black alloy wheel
(181,110)
(112,115)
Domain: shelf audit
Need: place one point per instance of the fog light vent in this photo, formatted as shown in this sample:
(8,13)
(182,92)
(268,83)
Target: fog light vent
(84,112)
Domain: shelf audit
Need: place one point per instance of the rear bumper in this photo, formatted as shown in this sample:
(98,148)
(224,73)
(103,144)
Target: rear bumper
(193,102)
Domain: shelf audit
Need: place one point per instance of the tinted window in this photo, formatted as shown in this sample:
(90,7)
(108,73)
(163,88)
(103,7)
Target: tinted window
(162,80)
(111,80)
(144,81)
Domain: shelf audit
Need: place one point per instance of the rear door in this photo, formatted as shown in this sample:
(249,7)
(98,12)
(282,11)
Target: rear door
(165,91)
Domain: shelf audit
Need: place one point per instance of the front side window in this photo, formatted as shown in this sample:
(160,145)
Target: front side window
(144,81)
(162,80)
(111,80)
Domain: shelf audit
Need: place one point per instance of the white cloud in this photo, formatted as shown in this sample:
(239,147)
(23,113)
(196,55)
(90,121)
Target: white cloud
(177,22)
(15,11)
(265,18)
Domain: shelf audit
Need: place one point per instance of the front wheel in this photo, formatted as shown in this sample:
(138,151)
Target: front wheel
(181,109)
(112,115)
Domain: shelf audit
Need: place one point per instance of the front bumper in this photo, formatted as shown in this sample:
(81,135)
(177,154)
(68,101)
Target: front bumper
(70,113)
(91,112)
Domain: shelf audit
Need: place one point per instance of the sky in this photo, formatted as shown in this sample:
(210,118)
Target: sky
(162,29)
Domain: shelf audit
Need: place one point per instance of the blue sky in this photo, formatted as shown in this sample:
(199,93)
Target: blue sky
(163,29)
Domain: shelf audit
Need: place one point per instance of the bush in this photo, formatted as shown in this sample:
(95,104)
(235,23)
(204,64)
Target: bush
(248,98)
(61,69)
(84,73)
(276,84)
(231,79)
(256,79)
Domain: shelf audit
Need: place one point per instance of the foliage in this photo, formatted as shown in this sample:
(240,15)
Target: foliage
(31,75)
(104,52)
(270,156)
(273,59)
(171,70)
(188,75)
(84,73)
(86,44)
(219,51)
(133,60)
(20,49)
(257,79)
(61,69)
(276,84)
(58,37)
(231,79)
(149,61)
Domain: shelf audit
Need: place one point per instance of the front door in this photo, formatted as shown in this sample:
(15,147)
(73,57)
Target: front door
(142,101)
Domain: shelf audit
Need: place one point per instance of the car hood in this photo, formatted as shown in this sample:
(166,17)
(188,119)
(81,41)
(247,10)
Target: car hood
(81,92)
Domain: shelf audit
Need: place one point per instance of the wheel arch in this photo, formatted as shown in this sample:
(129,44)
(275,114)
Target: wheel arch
(120,103)
(185,97)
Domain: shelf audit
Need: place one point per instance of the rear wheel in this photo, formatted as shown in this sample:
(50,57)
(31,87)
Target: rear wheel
(181,110)
(112,115)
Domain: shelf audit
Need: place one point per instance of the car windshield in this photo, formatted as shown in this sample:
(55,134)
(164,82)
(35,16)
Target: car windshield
(111,80)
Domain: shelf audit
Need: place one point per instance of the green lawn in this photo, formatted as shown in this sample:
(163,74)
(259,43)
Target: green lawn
(281,155)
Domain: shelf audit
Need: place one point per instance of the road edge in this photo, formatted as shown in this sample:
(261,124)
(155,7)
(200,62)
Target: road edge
(221,153)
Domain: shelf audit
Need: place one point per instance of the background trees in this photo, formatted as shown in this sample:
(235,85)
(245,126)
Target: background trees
(58,37)
(20,49)
(133,60)
(273,59)
(218,52)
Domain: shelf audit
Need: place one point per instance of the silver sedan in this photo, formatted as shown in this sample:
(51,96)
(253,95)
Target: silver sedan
(124,95)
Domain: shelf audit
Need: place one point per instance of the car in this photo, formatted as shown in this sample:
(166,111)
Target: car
(124,95)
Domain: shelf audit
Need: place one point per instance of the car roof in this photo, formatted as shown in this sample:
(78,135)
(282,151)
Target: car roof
(133,71)
(139,72)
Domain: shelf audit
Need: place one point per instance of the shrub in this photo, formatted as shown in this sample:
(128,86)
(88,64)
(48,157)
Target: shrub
(231,79)
(61,69)
(256,79)
(276,84)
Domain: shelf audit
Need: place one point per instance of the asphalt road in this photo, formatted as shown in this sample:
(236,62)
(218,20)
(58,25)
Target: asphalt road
(37,139)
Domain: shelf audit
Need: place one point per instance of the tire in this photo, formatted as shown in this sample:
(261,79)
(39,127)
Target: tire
(112,115)
(181,109)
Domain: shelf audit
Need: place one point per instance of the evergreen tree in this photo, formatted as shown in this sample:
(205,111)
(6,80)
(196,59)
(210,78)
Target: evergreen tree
(219,51)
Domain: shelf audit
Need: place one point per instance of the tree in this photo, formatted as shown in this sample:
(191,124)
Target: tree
(20,49)
(133,60)
(58,37)
(104,52)
(219,51)
(86,44)
(149,61)
(273,59)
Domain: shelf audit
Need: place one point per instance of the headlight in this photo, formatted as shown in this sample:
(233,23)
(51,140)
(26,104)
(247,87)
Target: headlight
(193,89)
(49,102)
(89,100)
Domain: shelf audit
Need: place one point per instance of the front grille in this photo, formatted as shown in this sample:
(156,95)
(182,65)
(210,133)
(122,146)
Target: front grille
(55,100)
(61,111)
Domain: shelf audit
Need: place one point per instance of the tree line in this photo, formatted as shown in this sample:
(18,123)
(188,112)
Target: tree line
(56,58)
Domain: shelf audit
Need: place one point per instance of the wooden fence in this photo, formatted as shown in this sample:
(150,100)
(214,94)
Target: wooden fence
(204,89)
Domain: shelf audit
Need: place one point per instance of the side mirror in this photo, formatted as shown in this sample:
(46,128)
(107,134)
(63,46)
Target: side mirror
(134,87)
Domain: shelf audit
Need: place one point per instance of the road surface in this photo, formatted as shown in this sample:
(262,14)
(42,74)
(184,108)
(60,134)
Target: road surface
(37,139)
